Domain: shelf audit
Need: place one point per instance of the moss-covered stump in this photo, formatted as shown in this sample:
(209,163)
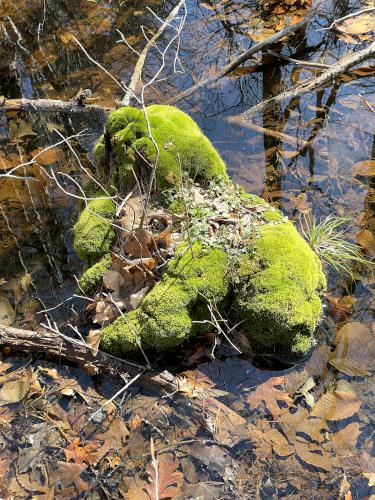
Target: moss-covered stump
(278,294)
(166,317)
(241,254)
(93,233)
(181,143)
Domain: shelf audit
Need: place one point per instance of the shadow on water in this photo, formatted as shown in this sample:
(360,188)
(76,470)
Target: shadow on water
(309,168)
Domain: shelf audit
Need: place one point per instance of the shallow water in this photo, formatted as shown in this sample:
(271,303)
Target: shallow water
(338,124)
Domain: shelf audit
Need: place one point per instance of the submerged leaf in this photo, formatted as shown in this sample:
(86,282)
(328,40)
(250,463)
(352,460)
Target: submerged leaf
(14,391)
(166,482)
(336,405)
(268,394)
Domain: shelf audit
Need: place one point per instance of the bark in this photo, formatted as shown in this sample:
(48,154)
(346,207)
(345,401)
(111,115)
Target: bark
(55,346)
(50,105)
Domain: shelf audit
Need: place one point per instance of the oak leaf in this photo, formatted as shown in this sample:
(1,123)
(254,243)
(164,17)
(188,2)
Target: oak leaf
(268,394)
(166,481)
(82,454)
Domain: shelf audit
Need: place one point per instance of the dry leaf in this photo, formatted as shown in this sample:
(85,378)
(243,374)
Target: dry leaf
(52,155)
(137,244)
(14,391)
(268,394)
(358,25)
(93,340)
(82,454)
(113,280)
(280,444)
(345,440)
(336,405)
(168,482)
(364,168)
(313,455)
(7,313)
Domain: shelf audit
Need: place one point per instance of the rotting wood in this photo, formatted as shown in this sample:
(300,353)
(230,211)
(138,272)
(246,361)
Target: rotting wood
(312,84)
(289,30)
(52,345)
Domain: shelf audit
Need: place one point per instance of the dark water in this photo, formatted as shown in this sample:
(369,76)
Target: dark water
(329,132)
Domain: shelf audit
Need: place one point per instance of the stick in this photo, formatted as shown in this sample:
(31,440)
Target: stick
(137,73)
(311,84)
(75,352)
(293,141)
(289,30)
(50,105)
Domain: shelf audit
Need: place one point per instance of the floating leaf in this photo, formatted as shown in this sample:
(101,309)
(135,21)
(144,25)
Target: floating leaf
(268,394)
(280,444)
(314,455)
(336,405)
(358,25)
(364,168)
(345,440)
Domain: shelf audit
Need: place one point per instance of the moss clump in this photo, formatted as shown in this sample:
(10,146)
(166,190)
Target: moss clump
(166,316)
(179,140)
(93,234)
(91,278)
(278,291)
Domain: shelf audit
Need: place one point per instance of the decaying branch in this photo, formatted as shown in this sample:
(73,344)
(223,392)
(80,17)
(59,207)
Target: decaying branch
(71,351)
(312,84)
(289,30)
(50,105)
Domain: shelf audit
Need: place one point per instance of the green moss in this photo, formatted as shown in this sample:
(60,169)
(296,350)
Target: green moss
(165,318)
(179,140)
(279,297)
(93,234)
(91,278)
(121,336)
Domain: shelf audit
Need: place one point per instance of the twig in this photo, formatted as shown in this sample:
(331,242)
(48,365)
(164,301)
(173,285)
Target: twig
(354,14)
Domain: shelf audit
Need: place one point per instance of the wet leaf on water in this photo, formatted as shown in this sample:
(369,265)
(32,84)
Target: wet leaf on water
(370,476)
(14,391)
(280,444)
(358,25)
(167,481)
(295,425)
(52,155)
(82,453)
(213,456)
(355,349)
(268,394)
(336,405)
(314,455)
(364,168)
(113,438)
(359,464)
(366,239)
(344,441)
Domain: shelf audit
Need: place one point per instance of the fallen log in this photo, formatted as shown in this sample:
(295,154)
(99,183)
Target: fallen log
(228,68)
(52,345)
(51,105)
(312,84)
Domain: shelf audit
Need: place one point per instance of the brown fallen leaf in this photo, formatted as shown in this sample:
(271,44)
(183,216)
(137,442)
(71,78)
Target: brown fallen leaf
(295,425)
(137,244)
(314,455)
(355,349)
(268,394)
(69,473)
(113,438)
(105,312)
(336,405)
(364,168)
(166,481)
(113,280)
(14,391)
(133,488)
(344,441)
(82,454)
(52,155)
(93,340)
(280,444)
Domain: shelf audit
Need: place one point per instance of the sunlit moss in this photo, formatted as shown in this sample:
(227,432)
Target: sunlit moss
(278,292)
(92,277)
(181,144)
(93,234)
(165,317)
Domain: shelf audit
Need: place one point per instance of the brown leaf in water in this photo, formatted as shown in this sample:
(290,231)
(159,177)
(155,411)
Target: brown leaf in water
(358,25)
(314,455)
(168,481)
(82,454)
(268,394)
(113,438)
(280,444)
(355,349)
(364,168)
(336,405)
(52,155)
(344,441)
(69,473)
(133,488)
(299,423)
(366,239)
(14,391)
